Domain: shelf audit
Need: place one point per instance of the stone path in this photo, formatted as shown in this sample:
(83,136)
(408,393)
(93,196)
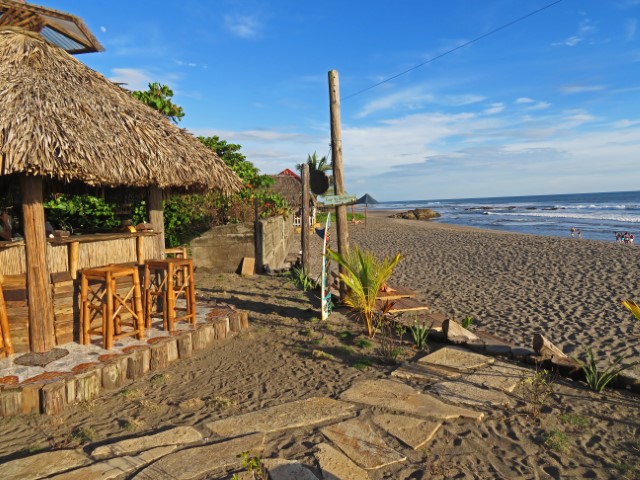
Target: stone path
(352,446)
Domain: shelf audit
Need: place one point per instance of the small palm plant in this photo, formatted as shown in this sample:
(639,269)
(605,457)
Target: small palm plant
(365,275)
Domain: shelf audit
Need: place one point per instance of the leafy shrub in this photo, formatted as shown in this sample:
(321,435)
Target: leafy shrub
(467,321)
(81,213)
(537,388)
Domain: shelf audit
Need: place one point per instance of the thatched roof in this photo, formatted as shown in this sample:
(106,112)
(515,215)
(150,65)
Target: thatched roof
(62,120)
(290,189)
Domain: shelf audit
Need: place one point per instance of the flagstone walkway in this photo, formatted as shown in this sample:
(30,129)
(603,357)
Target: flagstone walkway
(358,436)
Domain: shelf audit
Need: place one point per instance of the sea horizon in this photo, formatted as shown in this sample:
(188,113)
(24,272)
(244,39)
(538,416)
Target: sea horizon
(596,215)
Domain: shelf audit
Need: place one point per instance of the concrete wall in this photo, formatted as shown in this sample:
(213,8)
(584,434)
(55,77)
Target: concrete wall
(276,236)
(221,249)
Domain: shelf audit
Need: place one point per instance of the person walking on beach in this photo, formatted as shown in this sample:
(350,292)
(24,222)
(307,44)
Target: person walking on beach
(573,232)
(579,234)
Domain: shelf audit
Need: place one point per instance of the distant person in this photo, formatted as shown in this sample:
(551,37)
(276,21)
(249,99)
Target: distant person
(5,227)
(579,234)
(573,232)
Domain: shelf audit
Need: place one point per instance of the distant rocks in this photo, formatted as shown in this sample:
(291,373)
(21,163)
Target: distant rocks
(417,214)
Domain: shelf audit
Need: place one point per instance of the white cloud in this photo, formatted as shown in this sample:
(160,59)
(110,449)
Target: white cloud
(571,89)
(524,100)
(134,79)
(494,108)
(625,123)
(103,29)
(630,29)
(242,26)
(539,106)
(585,30)
(415,99)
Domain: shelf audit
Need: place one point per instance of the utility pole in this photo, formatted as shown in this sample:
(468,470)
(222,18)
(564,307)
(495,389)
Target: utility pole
(338,178)
(305,219)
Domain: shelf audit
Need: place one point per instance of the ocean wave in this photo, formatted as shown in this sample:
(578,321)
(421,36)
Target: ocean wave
(568,215)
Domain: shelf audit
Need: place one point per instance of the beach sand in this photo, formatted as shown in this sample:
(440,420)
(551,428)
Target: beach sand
(513,285)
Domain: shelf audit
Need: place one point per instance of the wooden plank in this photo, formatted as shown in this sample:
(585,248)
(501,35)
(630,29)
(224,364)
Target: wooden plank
(403,305)
(248,266)
(61,277)
(398,292)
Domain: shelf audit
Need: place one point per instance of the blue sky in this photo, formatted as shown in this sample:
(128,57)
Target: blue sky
(548,105)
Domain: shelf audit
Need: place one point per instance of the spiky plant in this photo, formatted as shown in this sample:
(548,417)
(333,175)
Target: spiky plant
(365,275)
(597,379)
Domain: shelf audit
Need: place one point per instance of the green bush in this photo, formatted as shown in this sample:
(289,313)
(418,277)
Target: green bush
(84,213)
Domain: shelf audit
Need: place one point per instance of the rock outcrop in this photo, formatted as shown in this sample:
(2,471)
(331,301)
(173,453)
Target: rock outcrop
(417,214)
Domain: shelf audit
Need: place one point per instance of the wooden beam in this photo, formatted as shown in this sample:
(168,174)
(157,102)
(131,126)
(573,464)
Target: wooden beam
(41,337)
(156,214)
(338,178)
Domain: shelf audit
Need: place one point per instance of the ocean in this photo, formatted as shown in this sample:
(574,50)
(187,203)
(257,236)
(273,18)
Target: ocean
(597,215)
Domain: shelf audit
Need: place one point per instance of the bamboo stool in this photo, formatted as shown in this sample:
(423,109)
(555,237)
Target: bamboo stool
(169,279)
(107,302)
(6,346)
(179,252)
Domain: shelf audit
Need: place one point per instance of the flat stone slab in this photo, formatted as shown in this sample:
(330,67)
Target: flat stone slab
(337,466)
(429,373)
(470,394)
(194,463)
(456,358)
(116,467)
(301,413)
(281,469)
(411,431)
(359,441)
(43,464)
(36,359)
(501,376)
(394,395)
(174,436)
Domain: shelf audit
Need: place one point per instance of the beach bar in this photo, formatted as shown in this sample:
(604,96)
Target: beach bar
(63,127)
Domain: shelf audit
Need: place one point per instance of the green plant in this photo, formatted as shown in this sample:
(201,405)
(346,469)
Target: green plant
(536,389)
(301,279)
(251,464)
(388,348)
(400,329)
(596,379)
(575,420)
(362,364)
(82,435)
(363,343)
(81,212)
(467,321)
(557,441)
(420,334)
(365,275)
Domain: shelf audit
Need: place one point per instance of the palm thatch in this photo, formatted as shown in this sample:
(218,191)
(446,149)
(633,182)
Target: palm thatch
(60,119)
(290,189)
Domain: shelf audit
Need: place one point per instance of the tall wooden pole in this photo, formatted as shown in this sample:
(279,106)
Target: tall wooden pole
(338,178)
(156,215)
(38,288)
(305,219)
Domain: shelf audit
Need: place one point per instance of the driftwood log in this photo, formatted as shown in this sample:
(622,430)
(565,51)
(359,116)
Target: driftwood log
(544,348)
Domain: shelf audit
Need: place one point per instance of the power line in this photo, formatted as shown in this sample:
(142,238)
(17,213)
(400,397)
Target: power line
(465,44)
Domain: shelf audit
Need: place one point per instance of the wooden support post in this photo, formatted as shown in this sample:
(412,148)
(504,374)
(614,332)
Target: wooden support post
(74,251)
(40,302)
(140,249)
(156,214)
(338,178)
(305,219)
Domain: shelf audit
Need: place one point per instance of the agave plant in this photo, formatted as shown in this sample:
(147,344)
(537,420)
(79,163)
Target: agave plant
(597,379)
(365,275)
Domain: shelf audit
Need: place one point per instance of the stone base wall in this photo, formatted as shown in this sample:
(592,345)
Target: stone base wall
(221,249)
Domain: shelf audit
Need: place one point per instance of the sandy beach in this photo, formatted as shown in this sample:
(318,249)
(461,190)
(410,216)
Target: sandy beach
(516,285)
(513,285)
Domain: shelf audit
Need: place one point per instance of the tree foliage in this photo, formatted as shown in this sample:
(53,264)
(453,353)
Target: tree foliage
(322,164)
(159,98)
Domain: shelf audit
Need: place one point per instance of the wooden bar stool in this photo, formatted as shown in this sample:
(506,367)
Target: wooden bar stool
(169,279)
(178,252)
(101,297)
(6,346)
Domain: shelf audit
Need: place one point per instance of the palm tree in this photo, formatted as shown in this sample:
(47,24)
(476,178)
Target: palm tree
(321,165)
(364,278)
